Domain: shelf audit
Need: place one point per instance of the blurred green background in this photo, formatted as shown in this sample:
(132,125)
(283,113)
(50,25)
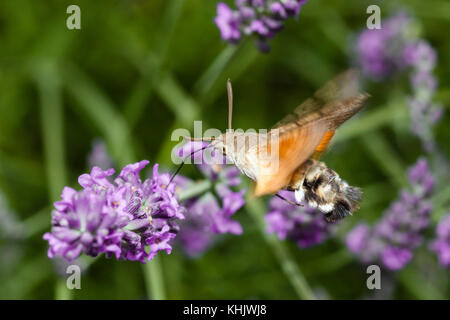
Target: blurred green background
(137,70)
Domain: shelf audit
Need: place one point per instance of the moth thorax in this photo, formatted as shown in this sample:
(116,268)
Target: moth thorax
(322,188)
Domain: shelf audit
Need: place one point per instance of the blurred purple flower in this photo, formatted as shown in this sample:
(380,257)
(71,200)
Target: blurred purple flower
(261,18)
(424,112)
(119,219)
(207,215)
(380,51)
(99,155)
(441,245)
(395,258)
(210,162)
(231,203)
(420,178)
(420,55)
(395,48)
(228,23)
(357,239)
(400,230)
(303,225)
(196,233)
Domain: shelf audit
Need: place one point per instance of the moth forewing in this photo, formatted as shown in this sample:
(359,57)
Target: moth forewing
(294,147)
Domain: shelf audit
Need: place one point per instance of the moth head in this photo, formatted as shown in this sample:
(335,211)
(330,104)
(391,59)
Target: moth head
(223,143)
(219,145)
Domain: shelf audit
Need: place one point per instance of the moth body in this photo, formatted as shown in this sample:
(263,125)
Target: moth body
(322,188)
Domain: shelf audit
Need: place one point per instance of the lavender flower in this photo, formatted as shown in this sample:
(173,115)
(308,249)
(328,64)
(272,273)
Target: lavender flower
(99,155)
(400,230)
(228,23)
(119,218)
(207,215)
(424,113)
(304,225)
(396,48)
(357,239)
(261,18)
(441,245)
(380,52)
(196,234)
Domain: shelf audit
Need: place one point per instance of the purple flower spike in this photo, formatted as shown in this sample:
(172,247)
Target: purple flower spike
(396,258)
(357,239)
(420,177)
(97,179)
(159,240)
(205,218)
(196,232)
(260,18)
(393,49)
(400,230)
(381,51)
(304,225)
(85,226)
(119,219)
(227,22)
(206,215)
(279,9)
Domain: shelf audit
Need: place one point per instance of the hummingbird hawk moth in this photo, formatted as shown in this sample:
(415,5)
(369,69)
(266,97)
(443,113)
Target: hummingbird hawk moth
(299,140)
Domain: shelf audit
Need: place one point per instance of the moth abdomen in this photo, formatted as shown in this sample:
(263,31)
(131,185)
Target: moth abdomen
(322,188)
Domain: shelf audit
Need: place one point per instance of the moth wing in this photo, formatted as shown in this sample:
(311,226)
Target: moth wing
(294,148)
(337,101)
(307,131)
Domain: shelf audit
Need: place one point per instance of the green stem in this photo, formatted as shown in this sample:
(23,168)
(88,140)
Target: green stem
(210,76)
(288,265)
(61,291)
(386,157)
(154,281)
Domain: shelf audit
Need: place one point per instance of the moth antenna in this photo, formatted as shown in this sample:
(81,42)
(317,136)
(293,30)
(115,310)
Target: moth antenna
(288,201)
(184,161)
(230,103)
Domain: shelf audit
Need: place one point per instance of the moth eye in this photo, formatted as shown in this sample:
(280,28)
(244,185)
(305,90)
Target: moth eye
(224,150)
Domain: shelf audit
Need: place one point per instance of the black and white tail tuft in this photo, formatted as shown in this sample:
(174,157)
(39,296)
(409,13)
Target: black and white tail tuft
(322,188)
